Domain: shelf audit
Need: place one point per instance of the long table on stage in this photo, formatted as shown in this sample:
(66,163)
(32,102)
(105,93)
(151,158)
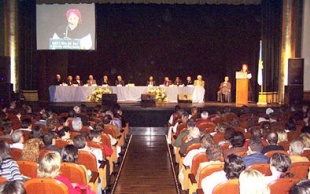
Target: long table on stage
(126,93)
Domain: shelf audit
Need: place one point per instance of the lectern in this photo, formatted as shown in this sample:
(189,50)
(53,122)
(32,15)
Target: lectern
(242,88)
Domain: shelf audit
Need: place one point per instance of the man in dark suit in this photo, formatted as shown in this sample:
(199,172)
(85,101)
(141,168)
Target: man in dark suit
(78,81)
(189,81)
(167,81)
(105,80)
(58,81)
(272,139)
(69,81)
(224,89)
(151,81)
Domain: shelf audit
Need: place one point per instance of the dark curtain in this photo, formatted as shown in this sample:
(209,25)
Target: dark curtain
(271,37)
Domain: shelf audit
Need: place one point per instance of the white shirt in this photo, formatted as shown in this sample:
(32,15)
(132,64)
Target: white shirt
(17,145)
(209,182)
(188,160)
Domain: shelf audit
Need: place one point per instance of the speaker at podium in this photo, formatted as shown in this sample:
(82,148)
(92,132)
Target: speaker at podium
(242,88)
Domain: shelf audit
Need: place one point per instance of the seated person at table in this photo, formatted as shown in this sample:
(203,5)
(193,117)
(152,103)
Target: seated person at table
(225,89)
(58,80)
(167,81)
(69,81)
(105,80)
(178,82)
(119,81)
(189,81)
(78,81)
(91,81)
(199,81)
(151,81)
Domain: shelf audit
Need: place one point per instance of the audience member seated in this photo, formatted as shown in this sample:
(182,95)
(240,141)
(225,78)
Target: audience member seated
(70,154)
(26,124)
(272,139)
(95,136)
(206,141)
(305,138)
(295,151)
(233,166)
(191,138)
(107,122)
(282,135)
(49,167)
(279,166)
(194,113)
(49,141)
(268,117)
(302,187)
(237,143)
(44,116)
(253,182)
(64,134)
(12,187)
(8,167)
(204,117)
(228,135)
(224,89)
(77,124)
(31,150)
(174,116)
(178,141)
(80,142)
(7,130)
(18,139)
(36,132)
(290,125)
(214,154)
(51,124)
(178,82)
(173,129)
(254,153)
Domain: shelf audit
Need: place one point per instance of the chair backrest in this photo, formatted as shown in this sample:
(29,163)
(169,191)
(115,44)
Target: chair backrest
(45,186)
(231,185)
(264,168)
(218,137)
(193,146)
(105,139)
(270,153)
(2,179)
(74,133)
(27,168)
(16,153)
(282,185)
(225,146)
(285,145)
(300,169)
(306,153)
(61,143)
(74,172)
(110,130)
(88,160)
(208,170)
(180,128)
(7,140)
(197,159)
(97,145)
(43,152)
(205,124)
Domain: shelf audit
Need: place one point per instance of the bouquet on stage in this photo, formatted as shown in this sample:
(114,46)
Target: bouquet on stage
(96,95)
(160,94)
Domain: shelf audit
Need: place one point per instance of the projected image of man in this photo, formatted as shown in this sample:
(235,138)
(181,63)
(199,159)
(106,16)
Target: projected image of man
(74,30)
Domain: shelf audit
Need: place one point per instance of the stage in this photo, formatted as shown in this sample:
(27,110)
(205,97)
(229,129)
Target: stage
(154,115)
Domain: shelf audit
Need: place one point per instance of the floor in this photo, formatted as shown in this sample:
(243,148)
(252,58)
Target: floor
(147,165)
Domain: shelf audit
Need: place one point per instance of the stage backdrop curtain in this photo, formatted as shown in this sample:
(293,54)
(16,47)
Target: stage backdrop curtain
(271,37)
(193,2)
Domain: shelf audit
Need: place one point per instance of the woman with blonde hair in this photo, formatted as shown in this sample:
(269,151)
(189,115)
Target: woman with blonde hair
(282,135)
(31,150)
(253,182)
(49,167)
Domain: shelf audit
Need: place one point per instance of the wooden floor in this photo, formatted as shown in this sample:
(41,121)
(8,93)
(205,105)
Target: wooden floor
(147,167)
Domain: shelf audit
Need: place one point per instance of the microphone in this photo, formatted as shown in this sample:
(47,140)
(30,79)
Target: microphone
(66,33)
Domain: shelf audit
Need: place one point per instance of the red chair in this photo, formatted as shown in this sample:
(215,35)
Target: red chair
(27,168)
(300,169)
(282,185)
(2,179)
(270,153)
(231,185)
(263,168)
(45,186)
(16,153)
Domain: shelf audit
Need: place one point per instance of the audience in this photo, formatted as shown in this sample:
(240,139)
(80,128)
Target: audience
(233,166)
(49,141)
(279,166)
(191,138)
(8,167)
(237,143)
(18,139)
(12,187)
(253,182)
(31,150)
(295,151)
(272,139)
(302,187)
(254,155)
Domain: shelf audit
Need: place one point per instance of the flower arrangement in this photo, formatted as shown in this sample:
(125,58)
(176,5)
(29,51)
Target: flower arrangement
(160,94)
(96,95)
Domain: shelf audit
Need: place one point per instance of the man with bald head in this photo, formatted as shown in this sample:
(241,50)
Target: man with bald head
(272,139)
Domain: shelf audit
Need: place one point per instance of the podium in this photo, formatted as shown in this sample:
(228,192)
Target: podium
(242,88)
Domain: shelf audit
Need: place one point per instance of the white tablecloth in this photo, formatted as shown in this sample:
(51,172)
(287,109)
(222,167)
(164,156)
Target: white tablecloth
(131,93)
